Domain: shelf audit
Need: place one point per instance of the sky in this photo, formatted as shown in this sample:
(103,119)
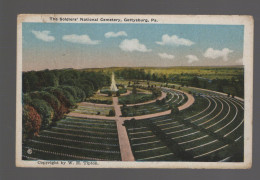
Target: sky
(90,45)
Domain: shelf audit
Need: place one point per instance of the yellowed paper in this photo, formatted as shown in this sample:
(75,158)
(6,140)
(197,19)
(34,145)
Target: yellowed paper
(134,91)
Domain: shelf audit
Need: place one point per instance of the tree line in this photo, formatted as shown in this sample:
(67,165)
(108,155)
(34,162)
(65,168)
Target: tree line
(234,86)
(48,95)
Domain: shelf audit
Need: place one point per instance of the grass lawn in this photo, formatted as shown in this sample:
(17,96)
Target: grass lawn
(135,98)
(100,99)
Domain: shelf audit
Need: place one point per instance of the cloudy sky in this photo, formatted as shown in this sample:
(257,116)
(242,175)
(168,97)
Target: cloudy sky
(70,45)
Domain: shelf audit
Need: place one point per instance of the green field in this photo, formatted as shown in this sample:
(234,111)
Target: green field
(209,130)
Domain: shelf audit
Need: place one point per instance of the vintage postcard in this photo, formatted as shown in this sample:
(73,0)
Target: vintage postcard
(134,91)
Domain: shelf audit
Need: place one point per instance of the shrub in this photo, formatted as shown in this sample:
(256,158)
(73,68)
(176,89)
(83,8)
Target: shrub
(134,91)
(44,110)
(31,122)
(99,101)
(168,96)
(69,97)
(111,112)
(122,90)
(26,99)
(175,110)
(163,101)
(71,90)
(77,93)
(80,94)
(58,108)
(156,92)
(117,93)
(124,112)
(158,102)
(63,96)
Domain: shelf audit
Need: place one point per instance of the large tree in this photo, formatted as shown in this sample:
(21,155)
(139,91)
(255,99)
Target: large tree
(31,121)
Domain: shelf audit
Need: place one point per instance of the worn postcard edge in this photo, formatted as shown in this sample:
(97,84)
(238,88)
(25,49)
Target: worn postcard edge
(248,23)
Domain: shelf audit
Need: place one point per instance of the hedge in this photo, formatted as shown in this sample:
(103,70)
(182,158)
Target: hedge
(44,110)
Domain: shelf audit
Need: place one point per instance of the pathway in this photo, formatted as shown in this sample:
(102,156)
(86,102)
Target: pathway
(125,148)
(124,143)
(189,102)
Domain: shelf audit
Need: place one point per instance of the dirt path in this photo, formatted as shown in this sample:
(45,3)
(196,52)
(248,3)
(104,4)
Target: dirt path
(190,101)
(124,143)
(127,93)
(116,107)
(118,113)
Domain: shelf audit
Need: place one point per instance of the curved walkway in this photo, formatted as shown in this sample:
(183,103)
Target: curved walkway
(190,101)
(124,143)
(103,105)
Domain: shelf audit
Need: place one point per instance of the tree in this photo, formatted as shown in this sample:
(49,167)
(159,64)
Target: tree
(168,95)
(158,102)
(63,96)
(111,112)
(71,90)
(44,110)
(163,101)
(30,82)
(154,77)
(81,96)
(134,91)
(58,108)
(156,92)
(175,110)
(164,78)
(195,82)
(219,87)
(117,93)
(31,122)
(77,93)
(204,85)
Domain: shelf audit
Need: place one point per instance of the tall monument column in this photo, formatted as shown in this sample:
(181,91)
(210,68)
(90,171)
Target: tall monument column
(113,83)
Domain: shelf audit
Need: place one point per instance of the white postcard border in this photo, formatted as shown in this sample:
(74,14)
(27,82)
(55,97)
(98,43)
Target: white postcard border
(247,21)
